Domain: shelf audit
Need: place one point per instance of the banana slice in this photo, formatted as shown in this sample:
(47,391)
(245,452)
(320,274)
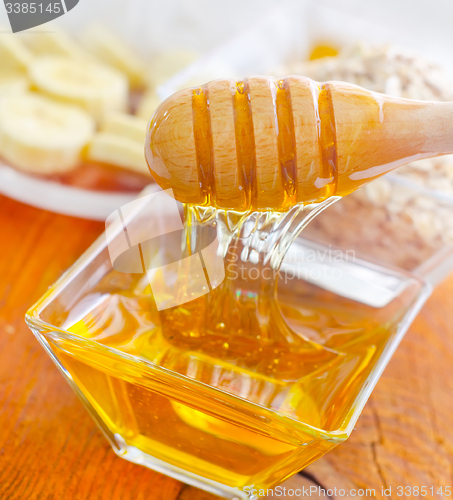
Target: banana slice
(42,136)
(120,151)
(52,41)
(129,126)
(13,82)
(148,104)
(168,63)
(14,55)
(95,87)
(110,49)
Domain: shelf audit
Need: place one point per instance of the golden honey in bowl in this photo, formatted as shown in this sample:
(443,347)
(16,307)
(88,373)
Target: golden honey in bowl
(240,386)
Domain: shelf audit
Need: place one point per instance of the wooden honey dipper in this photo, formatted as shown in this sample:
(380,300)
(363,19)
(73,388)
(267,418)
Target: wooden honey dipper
(268,144)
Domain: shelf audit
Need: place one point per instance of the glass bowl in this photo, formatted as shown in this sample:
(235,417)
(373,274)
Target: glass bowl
(198,415)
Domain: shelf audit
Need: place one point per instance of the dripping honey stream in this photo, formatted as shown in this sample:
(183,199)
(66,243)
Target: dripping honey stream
(244,307)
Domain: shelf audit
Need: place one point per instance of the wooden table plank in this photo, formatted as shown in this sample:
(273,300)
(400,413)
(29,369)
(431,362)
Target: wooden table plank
(51,449)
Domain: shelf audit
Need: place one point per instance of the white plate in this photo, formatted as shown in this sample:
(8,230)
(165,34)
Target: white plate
(56,197)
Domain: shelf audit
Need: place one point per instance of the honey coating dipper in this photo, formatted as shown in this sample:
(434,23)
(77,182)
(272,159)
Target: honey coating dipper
(268,144)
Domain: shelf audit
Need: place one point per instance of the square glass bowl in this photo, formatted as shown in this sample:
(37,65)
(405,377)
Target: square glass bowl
(215,435)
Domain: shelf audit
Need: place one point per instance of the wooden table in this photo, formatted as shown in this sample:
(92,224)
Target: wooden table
(50,449)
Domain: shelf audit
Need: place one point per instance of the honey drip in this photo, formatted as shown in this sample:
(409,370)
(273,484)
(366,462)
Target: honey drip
(203,136)
(327,142)
(245,142)
(286,142)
